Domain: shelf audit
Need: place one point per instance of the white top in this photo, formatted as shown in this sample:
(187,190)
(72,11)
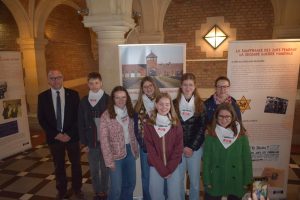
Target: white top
(148,104)
(226,135)
(94,97)
(62,102)
(162,125)
(187,109)
(123,118)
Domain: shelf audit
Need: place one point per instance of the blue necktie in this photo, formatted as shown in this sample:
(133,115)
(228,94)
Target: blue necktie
(58,113)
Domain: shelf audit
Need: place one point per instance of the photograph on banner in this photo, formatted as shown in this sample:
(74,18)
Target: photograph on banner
(14,126)
(3,89)
(11,108)
(165,63)
(9,128)
(276,105)
(264,78)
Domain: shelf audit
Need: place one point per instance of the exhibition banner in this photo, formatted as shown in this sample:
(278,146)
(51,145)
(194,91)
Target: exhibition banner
(165,63)
(14,128)
(264,77)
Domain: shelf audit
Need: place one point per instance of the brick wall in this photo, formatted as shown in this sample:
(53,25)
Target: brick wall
(69,46)
(8,31)
(252,19)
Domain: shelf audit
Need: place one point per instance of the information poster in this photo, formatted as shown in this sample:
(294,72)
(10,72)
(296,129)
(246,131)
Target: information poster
(264,77)
(14,128)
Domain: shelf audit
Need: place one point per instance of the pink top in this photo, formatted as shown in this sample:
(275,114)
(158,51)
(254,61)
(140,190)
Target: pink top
(113,141)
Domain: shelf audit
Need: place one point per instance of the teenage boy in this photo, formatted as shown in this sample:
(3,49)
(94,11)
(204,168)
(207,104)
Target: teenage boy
(90,110)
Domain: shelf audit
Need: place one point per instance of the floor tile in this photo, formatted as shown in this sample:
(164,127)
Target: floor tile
(44,168)
(40,153)
(26,196)
(296,158)
(20,165)
(49,190)
(4,178)
(23,185)
(292,175)
(293,192)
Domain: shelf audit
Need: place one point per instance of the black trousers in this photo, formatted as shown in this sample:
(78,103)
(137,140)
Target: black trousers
(58,154)
(229,197)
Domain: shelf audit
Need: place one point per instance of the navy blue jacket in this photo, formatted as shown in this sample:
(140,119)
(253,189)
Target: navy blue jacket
(137,133)
(211,107)
(47,118)
(86,124)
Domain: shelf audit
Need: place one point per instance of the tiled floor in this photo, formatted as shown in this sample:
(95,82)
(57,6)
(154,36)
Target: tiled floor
(29,175)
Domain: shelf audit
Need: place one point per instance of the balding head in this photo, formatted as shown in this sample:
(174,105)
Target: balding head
(55,79)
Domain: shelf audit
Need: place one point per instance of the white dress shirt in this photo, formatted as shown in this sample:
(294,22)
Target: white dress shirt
(62,101)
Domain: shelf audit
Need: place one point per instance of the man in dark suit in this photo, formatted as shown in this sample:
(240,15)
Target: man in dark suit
(57,115)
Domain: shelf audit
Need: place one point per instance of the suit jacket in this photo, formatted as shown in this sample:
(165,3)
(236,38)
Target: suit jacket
(47,118)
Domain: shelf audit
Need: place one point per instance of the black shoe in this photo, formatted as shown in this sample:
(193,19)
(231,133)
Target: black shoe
(62,197)
(100,196)
(96,197)
(79,195)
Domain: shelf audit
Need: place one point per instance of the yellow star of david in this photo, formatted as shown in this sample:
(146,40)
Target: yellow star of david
(244,104)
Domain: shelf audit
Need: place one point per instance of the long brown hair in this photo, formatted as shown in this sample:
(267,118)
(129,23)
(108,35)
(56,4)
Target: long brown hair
(139,102)
(232,125)
(199,105)
(111,109)
(173,116)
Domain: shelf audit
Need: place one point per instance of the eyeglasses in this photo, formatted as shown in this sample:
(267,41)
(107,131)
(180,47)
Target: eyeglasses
(56,78)
(226,117)
(223,86)
(148,86)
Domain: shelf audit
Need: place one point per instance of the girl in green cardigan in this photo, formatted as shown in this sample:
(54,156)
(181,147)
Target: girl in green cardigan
(227,165)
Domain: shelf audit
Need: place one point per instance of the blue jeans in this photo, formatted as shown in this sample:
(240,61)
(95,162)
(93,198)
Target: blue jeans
(157,183)
(122,179)
(145,174)
(192,165)
(99,172)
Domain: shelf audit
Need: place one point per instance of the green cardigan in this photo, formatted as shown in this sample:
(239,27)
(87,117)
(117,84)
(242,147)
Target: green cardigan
(226,170)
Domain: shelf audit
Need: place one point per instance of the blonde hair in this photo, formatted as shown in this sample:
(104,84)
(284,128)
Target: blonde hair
(139,102)
(172,114)
(199,105)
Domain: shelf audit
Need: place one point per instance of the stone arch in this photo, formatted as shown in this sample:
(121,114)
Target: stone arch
(162,14)
(21,17)
(43,11)
(153,14)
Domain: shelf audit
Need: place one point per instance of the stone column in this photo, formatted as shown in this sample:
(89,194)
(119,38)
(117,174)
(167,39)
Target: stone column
(34,65)
(109,37)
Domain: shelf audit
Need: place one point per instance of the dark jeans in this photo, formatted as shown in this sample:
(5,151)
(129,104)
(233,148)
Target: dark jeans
(229,197)
(98,171)
(58,154)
